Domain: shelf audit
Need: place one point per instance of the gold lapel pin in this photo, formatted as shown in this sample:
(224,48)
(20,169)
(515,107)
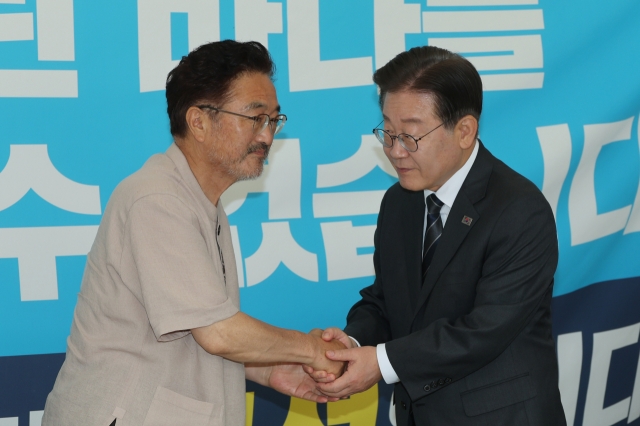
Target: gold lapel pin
(467,220)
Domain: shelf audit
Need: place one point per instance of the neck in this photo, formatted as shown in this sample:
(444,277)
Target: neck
(466,153)
(464,157)
(211,181)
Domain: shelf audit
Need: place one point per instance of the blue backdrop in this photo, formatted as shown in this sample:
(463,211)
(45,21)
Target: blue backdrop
(82,106)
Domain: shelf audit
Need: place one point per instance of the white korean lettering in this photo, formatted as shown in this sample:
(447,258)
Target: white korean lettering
(256,19)
(237,251)
(36,250)
(281,179)
(494,53)
(634,408)
(368,156)
(634,220)
(35,418)
(393,19)
(569,369)
(16,26)
(336,204)
(604,343)
(480,2)
(341,242)
(154,35)
(306,70)
(526,54)
(9,421)
(55,41)
(555,142)
(484,20)
(585,221)
(29,167)
(279,247)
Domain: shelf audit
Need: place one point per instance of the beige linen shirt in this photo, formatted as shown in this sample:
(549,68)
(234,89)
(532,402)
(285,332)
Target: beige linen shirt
(154,272)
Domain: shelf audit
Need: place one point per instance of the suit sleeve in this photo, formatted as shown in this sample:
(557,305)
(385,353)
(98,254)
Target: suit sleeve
(367,320)
(520,258)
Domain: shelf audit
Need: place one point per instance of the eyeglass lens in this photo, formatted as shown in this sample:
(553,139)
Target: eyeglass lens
(407,142)
(275,124)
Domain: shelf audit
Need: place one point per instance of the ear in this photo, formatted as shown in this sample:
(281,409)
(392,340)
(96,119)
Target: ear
(467,129)
(197,123)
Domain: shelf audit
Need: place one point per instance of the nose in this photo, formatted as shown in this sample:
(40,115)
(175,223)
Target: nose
(397,150)
(265,135)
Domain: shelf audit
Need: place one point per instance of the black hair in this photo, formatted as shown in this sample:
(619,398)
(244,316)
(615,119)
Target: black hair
(206,74)
(451,79)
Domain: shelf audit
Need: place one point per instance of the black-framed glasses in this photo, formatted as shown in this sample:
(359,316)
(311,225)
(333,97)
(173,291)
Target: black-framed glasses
(407,141)
(260,121)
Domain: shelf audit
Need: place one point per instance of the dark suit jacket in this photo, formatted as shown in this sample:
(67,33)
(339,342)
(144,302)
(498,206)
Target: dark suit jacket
(471,344)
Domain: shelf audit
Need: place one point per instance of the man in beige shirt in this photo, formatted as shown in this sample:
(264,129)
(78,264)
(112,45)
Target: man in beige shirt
(157,336)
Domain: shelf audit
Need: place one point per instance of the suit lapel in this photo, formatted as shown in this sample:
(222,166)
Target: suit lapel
(453,234)
(462,218)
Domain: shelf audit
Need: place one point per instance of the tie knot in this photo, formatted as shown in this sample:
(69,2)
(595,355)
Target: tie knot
(434,204)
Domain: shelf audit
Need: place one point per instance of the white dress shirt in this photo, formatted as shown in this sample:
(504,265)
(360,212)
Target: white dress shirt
(447,193)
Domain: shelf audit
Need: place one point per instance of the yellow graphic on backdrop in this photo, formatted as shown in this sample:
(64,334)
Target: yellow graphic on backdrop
(359,410)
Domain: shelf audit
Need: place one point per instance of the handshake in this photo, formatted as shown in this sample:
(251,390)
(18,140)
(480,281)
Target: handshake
(338,369)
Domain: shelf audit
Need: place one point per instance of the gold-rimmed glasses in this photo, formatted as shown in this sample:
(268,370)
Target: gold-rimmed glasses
(260,121)
(407,141)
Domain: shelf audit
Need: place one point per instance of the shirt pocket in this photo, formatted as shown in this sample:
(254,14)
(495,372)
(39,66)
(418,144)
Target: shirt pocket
(169,408)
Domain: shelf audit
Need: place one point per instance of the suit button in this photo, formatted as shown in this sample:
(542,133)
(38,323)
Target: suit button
(433,385)
(448,380)
(441,382)
(427,388)
(403,405)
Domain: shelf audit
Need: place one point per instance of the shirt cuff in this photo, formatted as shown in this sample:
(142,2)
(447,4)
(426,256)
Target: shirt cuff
(388,373)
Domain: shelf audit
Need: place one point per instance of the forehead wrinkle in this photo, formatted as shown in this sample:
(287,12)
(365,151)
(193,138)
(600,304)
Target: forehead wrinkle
(259,105)
(254,105)
(410,120)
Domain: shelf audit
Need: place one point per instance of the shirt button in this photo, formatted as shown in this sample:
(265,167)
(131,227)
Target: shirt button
(427,388)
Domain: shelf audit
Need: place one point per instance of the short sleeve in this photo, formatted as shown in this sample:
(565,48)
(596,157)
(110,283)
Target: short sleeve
(181,278)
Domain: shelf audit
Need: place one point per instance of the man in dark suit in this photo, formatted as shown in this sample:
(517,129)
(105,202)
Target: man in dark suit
(465,252)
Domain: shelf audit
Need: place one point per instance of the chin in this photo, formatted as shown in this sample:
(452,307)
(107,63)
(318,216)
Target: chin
(254,173)
(411,185)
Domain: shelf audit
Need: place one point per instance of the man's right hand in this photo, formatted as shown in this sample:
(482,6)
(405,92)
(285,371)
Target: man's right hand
(331,335)
(321,363)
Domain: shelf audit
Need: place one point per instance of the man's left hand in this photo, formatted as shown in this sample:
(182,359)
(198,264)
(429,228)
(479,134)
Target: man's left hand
(362,372)
(291,380)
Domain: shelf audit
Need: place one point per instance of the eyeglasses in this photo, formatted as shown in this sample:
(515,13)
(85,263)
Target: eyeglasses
(260,121)
(408,142)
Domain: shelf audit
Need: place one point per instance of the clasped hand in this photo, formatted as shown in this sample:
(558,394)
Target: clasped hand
(332,368)
(360,366)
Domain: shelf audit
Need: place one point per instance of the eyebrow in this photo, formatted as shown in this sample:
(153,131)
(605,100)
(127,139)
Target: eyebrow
(257,105)
(405,120)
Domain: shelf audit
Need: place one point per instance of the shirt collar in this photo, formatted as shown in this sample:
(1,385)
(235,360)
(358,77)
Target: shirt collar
(448,192)
(182,165)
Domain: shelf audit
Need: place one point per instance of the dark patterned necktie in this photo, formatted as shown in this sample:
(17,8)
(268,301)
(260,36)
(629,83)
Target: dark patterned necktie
(432,233)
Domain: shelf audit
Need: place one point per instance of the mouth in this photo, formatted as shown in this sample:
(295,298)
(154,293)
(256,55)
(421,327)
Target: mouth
(260,149)
(401,170)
